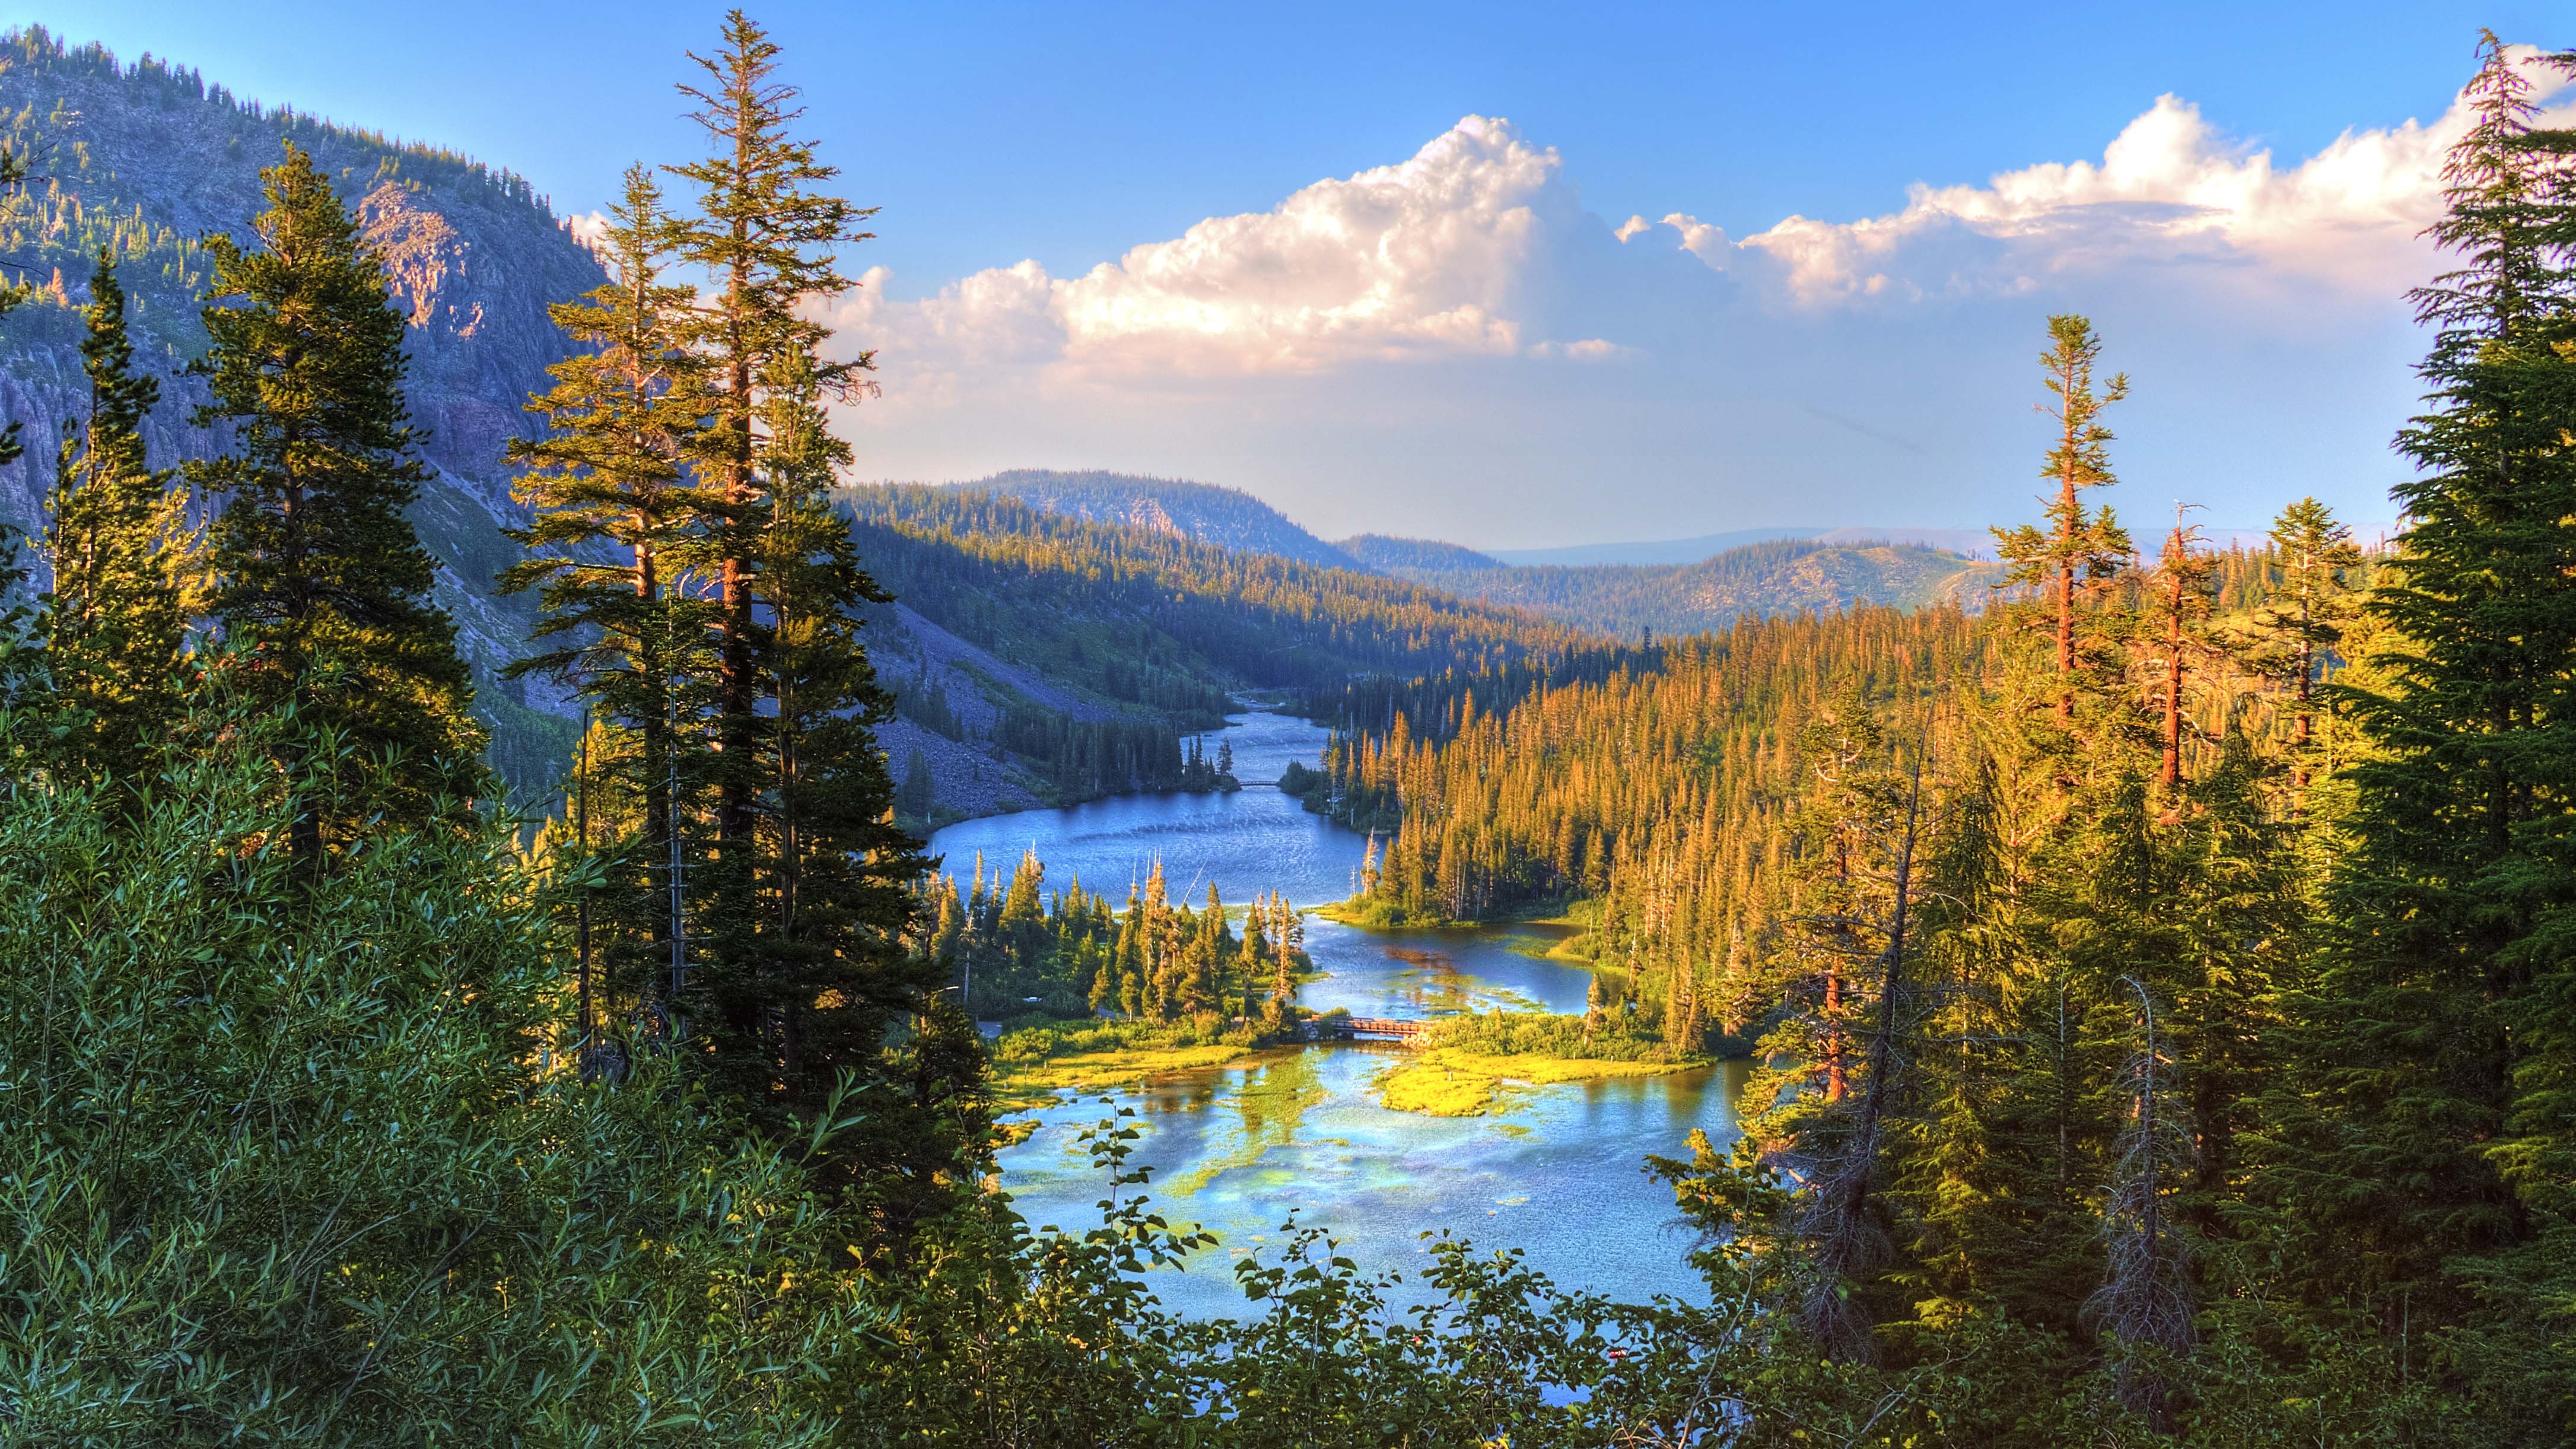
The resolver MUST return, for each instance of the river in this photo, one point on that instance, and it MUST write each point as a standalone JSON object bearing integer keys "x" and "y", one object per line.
{"x": 1556, "y": 1172}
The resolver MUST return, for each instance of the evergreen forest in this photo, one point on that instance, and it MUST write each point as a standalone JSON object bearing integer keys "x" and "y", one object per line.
{"x": 2157, "y": 964}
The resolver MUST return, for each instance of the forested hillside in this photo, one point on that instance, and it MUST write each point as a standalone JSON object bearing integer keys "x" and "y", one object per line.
{"x": 147, "y": 160}
{"x": 1757, "y": 580}
{"x": 992, "y": 567}
{"x": 1409, "y": 557}
{"x": 1226, "y": 517}
{"x": 1043, "y": 633}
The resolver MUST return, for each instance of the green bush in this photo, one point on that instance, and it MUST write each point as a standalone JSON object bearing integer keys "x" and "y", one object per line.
{"x": 285, "y": 1161}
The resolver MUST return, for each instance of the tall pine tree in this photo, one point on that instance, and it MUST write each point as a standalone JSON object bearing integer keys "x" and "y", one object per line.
{"x": 803, "y": 985}
{"x": 2294, "y": 631}
{"x": 616, "y": 529}
{"x": 766, "y": 240}
{"x": 117, "y": 543}
{"x": 2456, "y": 893}
{"x": 316, "y": 570}
{"x": 2081, "y": 547}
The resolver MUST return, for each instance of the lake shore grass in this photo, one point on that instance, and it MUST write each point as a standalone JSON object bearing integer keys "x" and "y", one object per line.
{"x": 1032, "y": 1064}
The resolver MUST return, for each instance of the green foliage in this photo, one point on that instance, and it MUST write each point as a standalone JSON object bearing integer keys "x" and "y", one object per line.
{"x": 1023, "y": 583}
{"x": 2118, "y": 1084}
{"x": 1013, "y": 947}
{"x": 2081, "y": 548}
{"x": 315, "y": 567}
{"x": 295, "y": 1162}
{"x": 118, "y": 547}
{"x": 2427, "y": 1127}
{"x": 1542, "y": 1034}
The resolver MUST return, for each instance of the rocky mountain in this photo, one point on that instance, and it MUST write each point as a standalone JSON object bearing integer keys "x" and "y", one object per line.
{"x": 1206, "y": 512}
{"x": 148, "y": 159}
{"x": 1023, "y": 657}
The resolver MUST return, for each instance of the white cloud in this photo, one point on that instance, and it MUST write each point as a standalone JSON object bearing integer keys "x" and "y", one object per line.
{"x": 588, "y": 228}
{"x": 1453, "y": 346}
{"x": 1427, "y": 258}
{"x": 1590, "y": 349}
{"x": 1477, "y": 247}
{"x": 2169, "y": 188}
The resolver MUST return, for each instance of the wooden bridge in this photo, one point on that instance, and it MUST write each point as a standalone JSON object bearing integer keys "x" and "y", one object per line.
{"x": 1383, "y": 1026}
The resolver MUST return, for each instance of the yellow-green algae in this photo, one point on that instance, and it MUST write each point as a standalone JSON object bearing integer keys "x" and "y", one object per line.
{"x": 1448, "y": 1082}
{"x": 1270, "y": 1103}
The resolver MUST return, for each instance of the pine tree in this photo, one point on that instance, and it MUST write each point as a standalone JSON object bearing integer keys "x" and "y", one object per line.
{"x": 315, "y": 568}
{"x": 766, "y": 240}
{"x": 918, "y": 795}
{"x": 613, "y": 517}
{"x": 117, "y": 544}
{"x": 2082, "y": 547}
{"x": 2456, "y": 894}
{"x": 2145, "y": 1302}
{"x": 805, "y": 982}
{"x": 2306, "y": 619}
{"x": 2180, "y": 594}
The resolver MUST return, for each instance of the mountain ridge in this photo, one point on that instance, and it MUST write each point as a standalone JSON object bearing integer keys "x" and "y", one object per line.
{"x": 146, "y": 159}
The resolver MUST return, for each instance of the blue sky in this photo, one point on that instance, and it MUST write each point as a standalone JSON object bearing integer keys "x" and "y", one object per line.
{"x": 1513, "y": 362}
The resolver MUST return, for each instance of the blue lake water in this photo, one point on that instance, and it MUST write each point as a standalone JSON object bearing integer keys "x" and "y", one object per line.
{"x": 1556, "y": 1172}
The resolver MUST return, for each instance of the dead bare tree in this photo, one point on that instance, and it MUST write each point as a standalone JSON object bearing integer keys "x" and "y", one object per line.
{"x": 1838, "y": 1214}
{"x": 2144, "y": 1306}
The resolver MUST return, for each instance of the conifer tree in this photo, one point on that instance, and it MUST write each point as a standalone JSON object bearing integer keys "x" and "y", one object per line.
{"x": 2145, "y": 1302}
{"x": 767, "y": 242}
{"x": 314, "y": 566}
{"x": 2307, "y": 618}
{"x": 805, "y": 982}
{"x": 2081, "y": 547}
{"x": 2456, "y": 893}
{"x": 614, "y": 512}
{"x": 2180, "y": 593}
{"x": 117, "y": 544}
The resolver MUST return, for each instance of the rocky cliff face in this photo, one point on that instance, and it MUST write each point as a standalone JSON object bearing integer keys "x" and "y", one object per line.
{"x": 148, "y": 159}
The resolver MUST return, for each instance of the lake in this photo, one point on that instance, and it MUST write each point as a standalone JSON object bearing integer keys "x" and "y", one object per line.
{"x": 1555, "y": 1172}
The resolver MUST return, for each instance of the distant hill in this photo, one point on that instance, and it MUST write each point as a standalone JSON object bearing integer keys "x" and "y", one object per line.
{"x": 1776, "y": 577}
{"x": 1226, "y": 517}
{"x": 1966, "y": 542}
{"x": 1386, "y": 555}
{"x": 1036, "y": 649}
{"x": 1650, "y": 551}
{"x": 1051, "y": 661}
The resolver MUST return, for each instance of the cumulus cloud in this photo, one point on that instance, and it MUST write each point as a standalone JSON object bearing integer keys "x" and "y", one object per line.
{"x": 1431, "y": 257}
{"x": 1454, "y": 344}
{"x": 2171, "y": 187}
{"x": 589, "y": 228}
{"x": 1478, "y": 247}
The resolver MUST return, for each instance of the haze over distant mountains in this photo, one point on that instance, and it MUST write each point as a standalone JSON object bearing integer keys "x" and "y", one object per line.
{"x": 1226, "y": 517}
{"x": 1677, "y": 586}
{"x": 1966, "y": 542}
